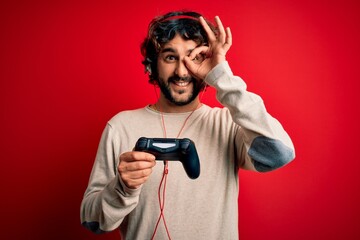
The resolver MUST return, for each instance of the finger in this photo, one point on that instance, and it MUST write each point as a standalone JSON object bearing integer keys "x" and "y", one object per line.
{"x": 196, "y": 57}
{"x": 210, "y": 33}
{"x": 201, "y": 50}
{"x": 137, "y": 156}
{"x": 143, "y": 174}
{"x": 222, "y": 34}
{"x": 135, "y": 183}
{"x": 228, "y": 41}
{"x": 140, "y": 174}
{"x": 190, "y": 65}
{"x": 135, "y": 166}
{"x": 132, "y": 161}
{"x": 143, "y": 156}
{"x": 197, "y": 70}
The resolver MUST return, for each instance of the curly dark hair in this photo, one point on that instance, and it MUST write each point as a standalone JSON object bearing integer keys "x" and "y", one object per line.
{"x": 163, "y": 29}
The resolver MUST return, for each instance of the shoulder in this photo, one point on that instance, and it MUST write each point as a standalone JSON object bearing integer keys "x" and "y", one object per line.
{"x": 128, "y": 116}
{"x": 216, "y": 115}
{"x": 216, "y": 111}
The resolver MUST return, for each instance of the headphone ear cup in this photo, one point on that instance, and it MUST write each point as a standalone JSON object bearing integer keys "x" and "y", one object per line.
{"x": 148, "y": 69}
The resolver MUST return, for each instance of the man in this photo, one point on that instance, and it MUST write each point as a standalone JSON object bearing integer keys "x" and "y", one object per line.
{"x": 128, "y": 189}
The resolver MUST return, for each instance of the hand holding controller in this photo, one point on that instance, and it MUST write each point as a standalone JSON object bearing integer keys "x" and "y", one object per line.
{"x": 182, "y": 150}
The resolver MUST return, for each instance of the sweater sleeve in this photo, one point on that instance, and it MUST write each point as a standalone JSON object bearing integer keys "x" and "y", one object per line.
{"x": 262, "y": 143}
{"x": 107, "y": 200}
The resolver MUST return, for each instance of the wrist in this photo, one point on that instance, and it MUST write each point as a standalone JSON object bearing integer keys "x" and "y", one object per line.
{"x": 217, "y": 71}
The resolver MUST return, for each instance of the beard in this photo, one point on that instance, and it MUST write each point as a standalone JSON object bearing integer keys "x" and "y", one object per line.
{"x": 166, "y": 90}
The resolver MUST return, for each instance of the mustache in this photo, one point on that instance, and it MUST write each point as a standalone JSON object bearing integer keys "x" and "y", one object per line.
{"x": 178, "y": 78}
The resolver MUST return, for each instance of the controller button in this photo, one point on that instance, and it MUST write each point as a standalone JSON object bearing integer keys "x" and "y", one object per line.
{"x": 142, "y": 144}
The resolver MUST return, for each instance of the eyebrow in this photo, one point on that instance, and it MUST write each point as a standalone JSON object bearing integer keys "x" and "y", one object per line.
{"x": 169, "y": 49}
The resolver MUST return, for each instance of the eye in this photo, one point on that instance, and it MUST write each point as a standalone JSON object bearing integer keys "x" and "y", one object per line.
{"x": 170, "y": 58}
{"x": 199, "y": 58}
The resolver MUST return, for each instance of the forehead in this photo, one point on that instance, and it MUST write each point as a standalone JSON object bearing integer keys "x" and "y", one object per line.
{"x": 179, "y": 45}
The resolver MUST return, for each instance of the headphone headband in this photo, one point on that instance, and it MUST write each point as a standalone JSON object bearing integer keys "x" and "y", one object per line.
{"x": 180, "y": 17}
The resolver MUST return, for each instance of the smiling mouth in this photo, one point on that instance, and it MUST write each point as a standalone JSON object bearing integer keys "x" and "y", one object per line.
{"x": 181, "y": 83}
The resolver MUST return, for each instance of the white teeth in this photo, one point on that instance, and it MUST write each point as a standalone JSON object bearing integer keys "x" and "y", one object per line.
{"x": 182, "y": 84}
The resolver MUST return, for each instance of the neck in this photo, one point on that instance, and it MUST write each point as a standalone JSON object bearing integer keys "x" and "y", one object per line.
{"x": 166, "y": 106}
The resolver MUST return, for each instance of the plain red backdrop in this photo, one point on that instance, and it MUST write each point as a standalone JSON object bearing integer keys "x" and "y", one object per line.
{"x": 66, "y": 67}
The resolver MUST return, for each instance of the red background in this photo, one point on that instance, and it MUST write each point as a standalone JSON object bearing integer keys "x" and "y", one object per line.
{"x": 66, "y": 67}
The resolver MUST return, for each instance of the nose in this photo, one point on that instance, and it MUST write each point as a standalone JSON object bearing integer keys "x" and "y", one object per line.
{"x": 181, "y": 69}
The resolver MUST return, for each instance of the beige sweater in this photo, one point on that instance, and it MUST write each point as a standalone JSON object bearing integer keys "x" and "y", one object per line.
{"x": 240, "y": 135}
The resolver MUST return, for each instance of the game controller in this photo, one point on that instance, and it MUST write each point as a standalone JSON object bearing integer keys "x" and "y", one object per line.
{"x": 170, "y": 149}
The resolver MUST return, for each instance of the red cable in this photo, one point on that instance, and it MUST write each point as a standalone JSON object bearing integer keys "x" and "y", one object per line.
{"x": 166, "y": 170}
{"x": 162, "y": 202}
